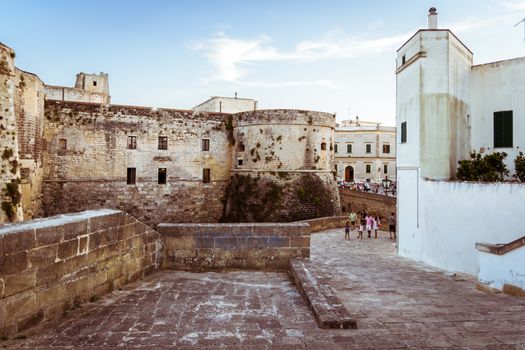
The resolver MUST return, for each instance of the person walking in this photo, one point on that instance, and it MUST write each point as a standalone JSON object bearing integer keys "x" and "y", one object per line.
{"x": 362, "y": 225}
{"x": 368, "y": 221}
{"x": 392, "y": 225}
{"x": 353, "y": 219}
{"x": 347, "y": 230}
{"x": 376, "y": 223}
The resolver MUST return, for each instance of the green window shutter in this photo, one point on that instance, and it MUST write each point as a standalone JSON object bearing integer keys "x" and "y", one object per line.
{"x": 403, "y": 132}
{"x": 503, "y": 129}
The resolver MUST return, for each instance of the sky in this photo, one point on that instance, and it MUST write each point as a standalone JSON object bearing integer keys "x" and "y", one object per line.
{"x": 331, "y": 56}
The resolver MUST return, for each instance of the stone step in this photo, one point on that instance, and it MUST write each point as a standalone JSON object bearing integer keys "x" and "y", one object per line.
{"x": 320, "y": 297}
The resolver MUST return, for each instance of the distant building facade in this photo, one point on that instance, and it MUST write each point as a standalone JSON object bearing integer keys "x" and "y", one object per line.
{"x": 221, "y": 104}
{"x": 364, "y": 151}
{"x": 447, "y": 107}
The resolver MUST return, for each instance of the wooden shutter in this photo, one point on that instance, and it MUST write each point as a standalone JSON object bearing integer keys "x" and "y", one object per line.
{"x": 503, "y": 129}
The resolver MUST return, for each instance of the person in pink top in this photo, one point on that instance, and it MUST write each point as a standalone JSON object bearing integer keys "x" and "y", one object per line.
{"x": 369, "y": 221}
{"x": 375, "y": 225}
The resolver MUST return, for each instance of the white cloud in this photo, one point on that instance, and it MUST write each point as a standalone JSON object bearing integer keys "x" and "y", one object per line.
{"x": 231, "y": 57}
{"x": 515, "y": 5}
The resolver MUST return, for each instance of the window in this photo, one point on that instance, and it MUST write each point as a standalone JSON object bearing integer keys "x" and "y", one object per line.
{"x": 349, "y": 148}
{"x": 368, "y": 168}
{"x": 205, "y": 144}
{"x": 386, "y": 148}
{"x": 385, "y": 168}
{"x": 94, "y": 83}
{"x": 335, "y": 147}
{"x": 241, "y": 147}
{"x": 403, "y": 60}
{"x": 503, "y": 129}
{"x": 163, "y": 142}
{"x": 368, "y": 148}
{"x": 323, "y": 146}
{"x": 162, "y": 176}
{"x": 403, "y": 132}
{"x": 206, "y": 176}
{"x": 240, "y": 162}
{"x": 132, "y": 142}
{"x": 132, "y": 176}
{"x": 62, "y": 144}
{"x": 24, "y": 173}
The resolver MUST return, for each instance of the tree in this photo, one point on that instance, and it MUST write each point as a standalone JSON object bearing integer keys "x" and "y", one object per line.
{"x": 488, "y": 168}
{"x": 519, "y": 166}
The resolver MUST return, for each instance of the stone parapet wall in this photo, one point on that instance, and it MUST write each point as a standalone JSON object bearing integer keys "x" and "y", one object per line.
{"x": 49, "y": 266}
{"x": 370, "y": 203}
{"x": 326, "y": 223}
{"x": 222, "y": 246}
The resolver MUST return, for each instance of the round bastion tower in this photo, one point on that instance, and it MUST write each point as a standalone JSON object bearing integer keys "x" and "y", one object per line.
{"x": 283, "y": 167}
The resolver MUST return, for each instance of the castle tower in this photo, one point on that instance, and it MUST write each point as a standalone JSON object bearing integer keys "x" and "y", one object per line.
{"x": 283, "y": 166}
{"x": 433, "y": 86}
{"x": 11, "y": 209}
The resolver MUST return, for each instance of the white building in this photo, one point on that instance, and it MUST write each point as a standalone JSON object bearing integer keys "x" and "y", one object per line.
{"x": 364, "y": 151}
{"x": 222, "y": 104}
{"x": 447, "y": 107}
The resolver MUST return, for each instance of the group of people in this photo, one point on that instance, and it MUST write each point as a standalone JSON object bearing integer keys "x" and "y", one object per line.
{"x": 369, "y": 222}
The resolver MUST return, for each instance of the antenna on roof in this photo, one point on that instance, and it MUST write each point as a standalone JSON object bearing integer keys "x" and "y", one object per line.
{"x": 522, "y": 21}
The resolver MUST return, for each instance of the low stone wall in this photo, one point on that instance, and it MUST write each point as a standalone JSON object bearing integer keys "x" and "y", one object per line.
{"x": 371, "y": 203}
{"x": 49, "y": 266}
{"x": 326, "y": 223}
{"x": 260, "y": 246}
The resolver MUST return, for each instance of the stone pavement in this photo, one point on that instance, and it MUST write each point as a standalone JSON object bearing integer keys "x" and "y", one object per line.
{"x": 399, "y": 304}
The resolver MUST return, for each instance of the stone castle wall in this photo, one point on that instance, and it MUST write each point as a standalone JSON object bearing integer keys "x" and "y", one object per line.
{"x": 11, "y": 208}
{"x": 68, "y": 156}
{"x": 91, "y": 172}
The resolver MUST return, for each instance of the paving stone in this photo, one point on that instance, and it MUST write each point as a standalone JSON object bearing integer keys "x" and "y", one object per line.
{"x": 398, "y": 304}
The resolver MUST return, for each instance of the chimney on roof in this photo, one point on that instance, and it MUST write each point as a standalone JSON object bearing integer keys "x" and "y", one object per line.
{"x": 432, "y": 18}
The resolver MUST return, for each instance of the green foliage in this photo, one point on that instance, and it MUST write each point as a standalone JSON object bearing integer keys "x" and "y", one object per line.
{"x": 313, "y": 199}
{"x": 519, "y": 166}
{"x": 94, "y": 298}
{"x": 488, "y": 168}
{"x": 11, "y": 191}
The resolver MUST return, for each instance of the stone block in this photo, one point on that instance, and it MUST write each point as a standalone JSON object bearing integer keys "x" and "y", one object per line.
{"x": 75, "y": 229}
{"x": 20, "y": 282}
{"x": 43, "y": 256}
{"x": 114, "y": 272}
{"x": 277, "y": 241}
{"x": 50, "y": 296}
{"x": 264, "y": 229}
{"x": 300, "y": 242}
{"x": 17, "y": 241}
{"x": 18, "y": 305}
{"x": 225, "y": 242}
{"x": 68, "y": 249}
{"x": 104, "y": 222}
{"x": 49, "y": 273}
{"x": 30, "y": 321}
{"x": 125, "y": 232}
{"x": 83, "y": 245}
{"x": 257, "y": 242}
{"x": 14, "y": 263}
{"x": 204, "y": 242}
{"x": 108, "y": 236}
{"x": 94, "y": 241}
{"x": 74, "y": 264}
{"x": 139, "y": 228}
{"x": 49, "y": 235}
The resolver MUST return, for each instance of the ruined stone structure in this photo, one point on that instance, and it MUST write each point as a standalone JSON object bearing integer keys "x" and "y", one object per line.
{"x": 67, "y": 149}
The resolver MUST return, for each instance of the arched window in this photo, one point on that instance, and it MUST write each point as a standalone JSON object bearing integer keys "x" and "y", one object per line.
{"x": 241, "y": 147}
{"x": 62, "y": 144}
{"x": 323, "y": 146}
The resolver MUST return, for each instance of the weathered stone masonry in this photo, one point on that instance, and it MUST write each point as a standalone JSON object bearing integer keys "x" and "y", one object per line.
{"x": 270, "y": 165}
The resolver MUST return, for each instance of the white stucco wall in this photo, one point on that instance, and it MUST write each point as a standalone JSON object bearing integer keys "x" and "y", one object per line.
{"x": 454, "y": 216}
{"x": 497, "y": 270}
{"x": 227, "y": 105}
{"x": 498, "y": 86}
